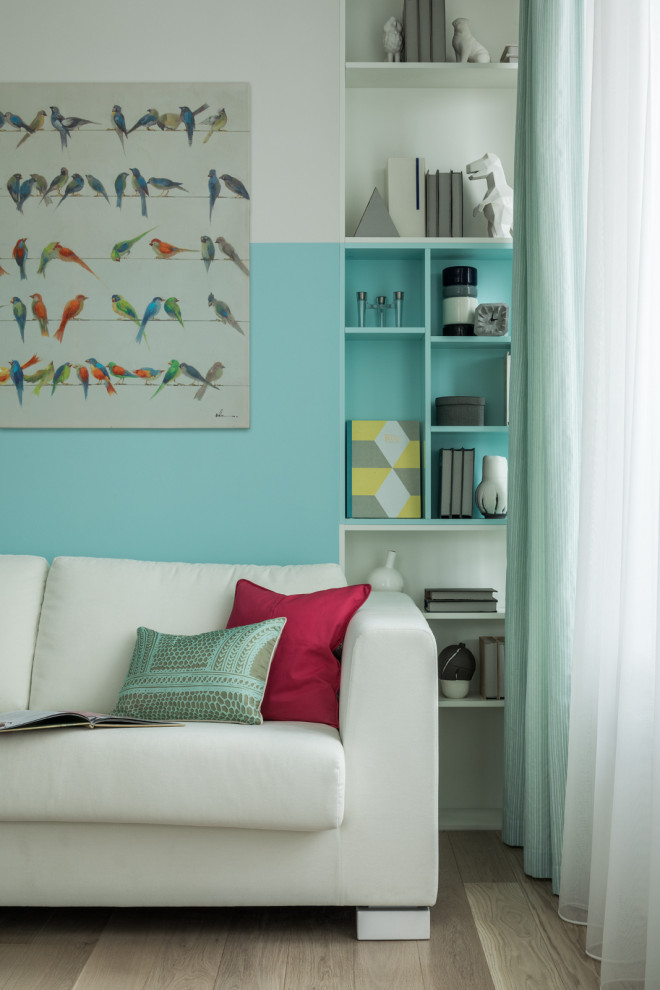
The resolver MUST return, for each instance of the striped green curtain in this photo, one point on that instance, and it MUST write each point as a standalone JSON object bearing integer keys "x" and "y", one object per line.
{"x": 545, "y": 427}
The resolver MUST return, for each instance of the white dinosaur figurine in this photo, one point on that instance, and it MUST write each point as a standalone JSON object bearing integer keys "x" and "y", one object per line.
{"x": 497, "y": 204}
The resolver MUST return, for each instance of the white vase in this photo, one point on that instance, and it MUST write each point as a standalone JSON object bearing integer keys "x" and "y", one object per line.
{"x": 491, "y": 494}
{"x": 455, "y": 689}
{"x": 386, "y": 578}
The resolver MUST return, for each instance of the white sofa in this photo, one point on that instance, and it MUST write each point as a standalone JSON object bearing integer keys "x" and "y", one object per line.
{"x": 213, "y": 813}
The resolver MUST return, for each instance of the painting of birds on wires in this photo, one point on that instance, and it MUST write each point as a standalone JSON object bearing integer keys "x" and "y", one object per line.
{"x": 145, "y": 190}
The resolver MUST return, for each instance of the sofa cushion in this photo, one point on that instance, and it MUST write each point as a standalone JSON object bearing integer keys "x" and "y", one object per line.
{"x": 279, "y": 775}
{"x": 22, "y": 582}
{"x": 216, "y": 676}
{"x": 304, "y": 678}
{"x": 92, "y": 607}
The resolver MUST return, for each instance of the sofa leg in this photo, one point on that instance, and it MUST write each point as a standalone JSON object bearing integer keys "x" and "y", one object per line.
{"x": 380, "y": 924}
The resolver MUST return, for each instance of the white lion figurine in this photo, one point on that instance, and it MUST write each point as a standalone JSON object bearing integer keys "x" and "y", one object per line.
{"x": 464, "y": 43}
{"x": 393, "y": 40}
{"x": 497, "y": 204}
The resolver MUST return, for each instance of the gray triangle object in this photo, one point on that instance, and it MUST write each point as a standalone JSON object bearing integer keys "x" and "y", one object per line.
{"x": 376, "y": 221}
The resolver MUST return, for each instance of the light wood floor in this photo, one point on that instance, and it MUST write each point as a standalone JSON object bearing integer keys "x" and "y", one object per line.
{"x": 493, "y": 928}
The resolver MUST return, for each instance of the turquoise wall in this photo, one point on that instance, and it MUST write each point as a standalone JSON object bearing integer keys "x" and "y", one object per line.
{"x": 263, "y": 495}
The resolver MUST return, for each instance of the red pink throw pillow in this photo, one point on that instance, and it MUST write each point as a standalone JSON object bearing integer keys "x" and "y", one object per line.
{"x": 303, "y": 681}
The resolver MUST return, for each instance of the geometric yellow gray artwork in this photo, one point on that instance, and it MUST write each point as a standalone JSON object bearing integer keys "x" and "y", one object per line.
{"x": 125, "y": 255}
{"x": 383, "y": 470}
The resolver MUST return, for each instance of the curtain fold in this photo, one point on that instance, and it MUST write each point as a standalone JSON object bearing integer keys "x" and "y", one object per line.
{"x": 544, "y": 438}
{"x": 611, "y": 851}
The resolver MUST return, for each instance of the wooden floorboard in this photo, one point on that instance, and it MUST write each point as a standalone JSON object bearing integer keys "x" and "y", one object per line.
{"x": 492, "y": 928}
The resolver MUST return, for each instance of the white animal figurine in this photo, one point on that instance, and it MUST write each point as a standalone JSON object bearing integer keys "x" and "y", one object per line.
{"x": 393, "y": 40}
{"x": 497, "y": 204}
{"x": 464, "y": 43}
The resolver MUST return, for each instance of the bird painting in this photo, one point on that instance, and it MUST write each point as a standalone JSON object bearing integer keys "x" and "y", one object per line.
{"x": 57, "y": 121}
{"x": 19, "y": 310}
{"x": 43, "y": 377}
{"x": 235, "y": 185}
{"x": 120, "y": 372}
{"x": 146, "y": 374}
{"x": 47, "y": 255}
{"x": 20, "y": 254}
{"x": 75, "y": 123}
{"x": 214, "y": 190}
{"x": 165, "y": 185}
{"x": 41, "y": 186}
{"x": 66, "y": 254}
{"x": 16, "y": 375}
{"x": 118, "y": 123}
{"x": 39, "y": 313}
{"x": 17, "y": 122}
{"x": 190, "y": 372}
{"x": 73, "y": 187}
{"x": 147, "y": 120}
{"x": 83, "y": 377}
{"x": 100, "y": 373}
{"x": 123, "y": 248}
{"x": 224, "y": 313}
{"x": 71, "y": 311}
{"x": 141, "y": 188}
{"x": 61, "y": 375}
{"x": 124, "y": 309}
{"x": 188, "y": 122}
{"x": 3, "y": 271}
{"x": 120, "y": 187}
{"x": 57, "y": 183}
{"x": 171, "y": 307}
{"x": 230, "y": 252}
{"x": 5, "y": 373}
{"x": 152, "y": 310}
{"x": 216, "y": 122}
{"x": 172, "y": 373}
{"x": 208, "y": 251}
{"x": 24, "y": 192}
{"x": 164, "y": 250}
{"x": 169, "y": 121}
{"x": 97, "y": 186}
{"x": 35, "y": 126}
{"x": 214, "y": 374}
{"x": 14, "y": 188}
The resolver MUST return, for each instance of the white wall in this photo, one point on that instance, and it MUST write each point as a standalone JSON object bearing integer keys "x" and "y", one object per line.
{"x": 288, "y": 51}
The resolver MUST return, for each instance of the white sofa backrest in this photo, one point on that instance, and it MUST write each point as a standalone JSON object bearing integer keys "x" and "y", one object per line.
{"x": 92, "y": 608}
{"x": 22, "y": 581}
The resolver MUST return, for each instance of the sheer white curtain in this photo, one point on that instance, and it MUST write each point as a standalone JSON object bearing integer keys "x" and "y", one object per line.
{"x": 611, "y": 850}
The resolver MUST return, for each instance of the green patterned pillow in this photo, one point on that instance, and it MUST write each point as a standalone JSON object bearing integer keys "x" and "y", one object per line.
{"x": 216, "y": 676}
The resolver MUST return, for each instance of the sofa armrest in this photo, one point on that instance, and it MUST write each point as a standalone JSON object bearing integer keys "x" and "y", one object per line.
{"x": 388, "y": 720}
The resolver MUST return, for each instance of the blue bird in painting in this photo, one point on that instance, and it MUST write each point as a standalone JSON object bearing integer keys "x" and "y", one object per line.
{"x": 14, "y": 188}
{"x": 18, "y": 122}
{"x": 61, "y": 375}
{"x": 214, "y": 190}
{"x": 24, "y": 192}
{"x": 208, "y": 251}
{"x": 223, "y": 312}
{"x": 141, "y": 188}
{"x": 235, "y": 185}
{"x": 74, "y": 185}
{"x": 165, "y": 185}
{"x": 188, "y": 122}
{"x": 97, "y": 186}
{"x": 16, "y": 375}
{"x": 147, "y": 120}
{"x": 152, "y": 310}
{"x": 19, "y": 254}
{"x": 193, "y": 373}
{"x": 119, "y": 123}
{"x": 57, "y": 120}
{"x": 19, "y": 310}
{"x": 120, "y": 187}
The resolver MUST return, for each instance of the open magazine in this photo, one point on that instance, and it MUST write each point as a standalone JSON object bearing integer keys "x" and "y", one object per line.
{"x": 15, "y": 721}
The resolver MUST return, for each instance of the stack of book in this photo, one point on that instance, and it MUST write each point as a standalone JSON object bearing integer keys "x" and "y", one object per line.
{"x": 460, "y": 600}
{"x": 444, "y": 204}
{"x": 456, "y": 483}
{"x": 491, "y": 661}
{"x": 424, "y": 31}
{"x": 510, "y": 54}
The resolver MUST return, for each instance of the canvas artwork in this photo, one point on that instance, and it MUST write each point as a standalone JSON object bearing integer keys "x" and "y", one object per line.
{"x": 124, "y": 255}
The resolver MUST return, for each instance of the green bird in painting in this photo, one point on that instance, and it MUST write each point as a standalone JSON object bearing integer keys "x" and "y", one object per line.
{"x": 171, "y": 307}
{"x": 43, "y": 377}
{"x": 124, "y": 309}
{"x": 172, "y": 373}
{"x": 216, "y": 122}
{"x": 120, "y": 372}
{"x": 61, "y": 375}
{"x": 122, "y": 248}
{"x": 47, "y": 255}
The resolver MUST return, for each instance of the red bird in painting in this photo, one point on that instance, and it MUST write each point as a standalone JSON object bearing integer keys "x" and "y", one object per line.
{"x": 164, "y": 250}
{"x": 66, "y": 254}
{"x": 72, "y": 309}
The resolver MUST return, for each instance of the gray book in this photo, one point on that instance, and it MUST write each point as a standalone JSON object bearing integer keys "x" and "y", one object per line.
{"x": 456, "y": 204}
{"x": 460, "y": 606}
{"x": 488, "y": 665}
{"x": 438, "y": 37}
{"x": 444, "y": 204}
{"x": 424, "y": 30}
{"x": 445, "y": 483}
{"x": 432, "y": 204}
{"x": 468, "y": 483}
{"x": 411, "y": 31}
{"x": 456, "y": 483}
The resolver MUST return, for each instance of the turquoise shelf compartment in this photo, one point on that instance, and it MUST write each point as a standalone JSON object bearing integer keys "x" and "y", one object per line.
{"x": 494, "y": 273}
{"x": 382, "y": 272}
{"x": 484, "y": 441}
{"x": 476, "y": 369}
{"x": 385, "y": 381}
